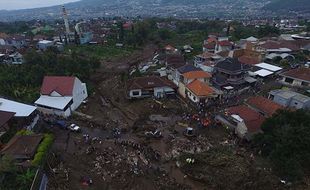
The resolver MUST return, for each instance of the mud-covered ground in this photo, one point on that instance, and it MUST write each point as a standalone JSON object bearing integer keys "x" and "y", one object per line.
{"x": 115, "y": 153}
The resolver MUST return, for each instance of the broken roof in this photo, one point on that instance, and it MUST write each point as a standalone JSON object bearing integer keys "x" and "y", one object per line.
{"x": 200, "y": 89}
{"x": 252, "y": 119}
{"x": 149, "y": 82}
{"x": 264, "y": 105}
{"x": 63, "y": 85}
{"x": 300, "y": 73}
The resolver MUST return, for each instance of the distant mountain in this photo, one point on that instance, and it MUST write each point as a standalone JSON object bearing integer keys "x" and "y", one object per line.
{"x": 231, "y": 9}
{"x": 288, "y": 5}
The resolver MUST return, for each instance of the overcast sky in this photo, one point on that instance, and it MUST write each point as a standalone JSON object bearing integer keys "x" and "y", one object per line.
{"x": 24, "y": 4}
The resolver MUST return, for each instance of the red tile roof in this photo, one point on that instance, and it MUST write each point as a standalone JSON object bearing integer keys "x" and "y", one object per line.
{"x": 252, "y": 119}
{"x": 225, "y": 43}
{"x": 196, "y": 75}
{"x": 211, "y": 39}
{"x": 199, "y": 88}
{"x": 264, "y": 105}
{"x": 209, "y": 46}
{"x": 248, "y": 60}
{"x": 300, "y": 73}
{"x": 61, "y": 84}
{"x": 5, "y": 117}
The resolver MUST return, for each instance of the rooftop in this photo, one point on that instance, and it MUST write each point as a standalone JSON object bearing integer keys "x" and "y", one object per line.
{"x": 22, "y": 147}
{"x": 196, "y": 75}
{"x": 200, "y": 89}
{"x": 300, "y": 73}
{"x": 188, "y": 68}
{"x": 231, "y": 64}
{"x": 20, "y": 109}
{"x": 264, "y": 105}
{"x": 60, "y": 84}
{"x": 252, "y": 119}
{"x": 269, "y": 67}
{"x": 287, "y": 94}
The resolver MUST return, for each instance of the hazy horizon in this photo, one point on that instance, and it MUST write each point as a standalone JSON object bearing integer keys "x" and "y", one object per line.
{"x": 26, "y": 4}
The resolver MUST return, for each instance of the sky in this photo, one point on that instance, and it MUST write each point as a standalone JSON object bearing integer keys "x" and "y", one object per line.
{"x": 25, "y": 4}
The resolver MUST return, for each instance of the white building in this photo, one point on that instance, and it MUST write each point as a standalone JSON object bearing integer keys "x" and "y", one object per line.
{"x": 61, "y": 95}
{"x": 26, "y": 114}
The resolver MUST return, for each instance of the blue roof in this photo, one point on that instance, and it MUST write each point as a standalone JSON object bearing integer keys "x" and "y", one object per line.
{"x": 188, "y": 68}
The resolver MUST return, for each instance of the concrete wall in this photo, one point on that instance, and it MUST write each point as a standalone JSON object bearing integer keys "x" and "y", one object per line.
{"x": 192, "y": 97}
{"x": 79, "y": 94}
{"x": 281, "y": 101}
{"x": 182, "y": 90}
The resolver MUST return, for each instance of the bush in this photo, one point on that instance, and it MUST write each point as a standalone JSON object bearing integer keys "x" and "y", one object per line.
{"x": 24, "y": 132}
{"x": 42, "y": 149}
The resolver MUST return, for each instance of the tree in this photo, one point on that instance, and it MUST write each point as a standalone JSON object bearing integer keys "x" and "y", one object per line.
{"x": 286, "y": 143}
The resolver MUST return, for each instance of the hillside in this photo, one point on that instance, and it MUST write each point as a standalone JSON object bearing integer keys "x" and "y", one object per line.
{"x": 231, "y": 9}
{"x": 291, "y": 5}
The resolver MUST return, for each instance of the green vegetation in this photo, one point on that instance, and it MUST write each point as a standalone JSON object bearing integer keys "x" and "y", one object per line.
{"x": 99, "y": 51}
{"x": 24, "y": 132}
{"x": 22, "y": 82}
{"x": 42, "y": 149}
{"x": 14, "y": 27}
{"x": 11, "y": 178}
{"x": 242, "y": 32}
{"x": 286, "y": 143}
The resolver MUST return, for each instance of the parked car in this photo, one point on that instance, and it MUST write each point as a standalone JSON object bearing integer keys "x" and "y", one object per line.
{"x": 73, "y": 127}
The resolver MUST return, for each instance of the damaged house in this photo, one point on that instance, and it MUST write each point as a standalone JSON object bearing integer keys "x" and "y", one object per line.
{"x": 151, "y": 86}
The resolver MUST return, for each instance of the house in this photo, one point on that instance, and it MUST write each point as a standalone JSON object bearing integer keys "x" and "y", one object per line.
{"x": 17, "y": 41}
{"x": 245, "y": 121}
{"x": 290, "y": 99}
{"x": 174, "y": 62}
{"x": 150, "y": 86}
{"x": 224, "y": 45}
{"x": 3, "y": 36}
{"x": 262, "y": 105}
{"x": 16, "y": 59}
{"x": 169, "y": 49}
{"x": 209, "y": 47}
{"x": 209, "y": 44}
{"x": 230, "y": 72}
{"x": 189, "y": 77}
{"x": 206, "y": 61}
{"x": 5, "y": 118}
{"x": 61, "y": 95}
{"x": 200, "y": 92}
{"x": 264, "y": 70}
{"x": 44, "y": 44}
{"x": 25, "y": 115}
{"x": 299, "y": 77}
{"x": 22, "y": 148}
{"x": 177, "y": 74}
